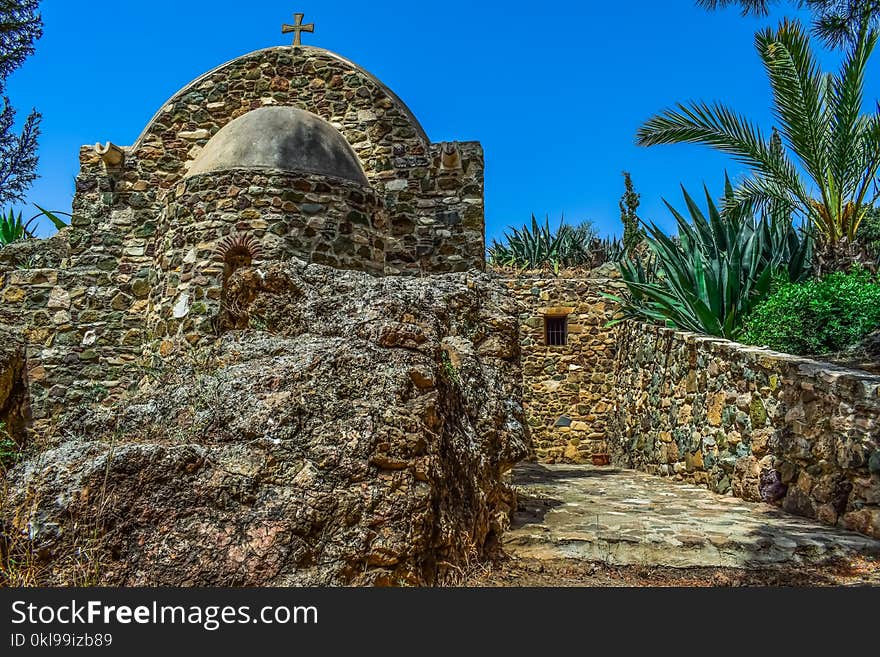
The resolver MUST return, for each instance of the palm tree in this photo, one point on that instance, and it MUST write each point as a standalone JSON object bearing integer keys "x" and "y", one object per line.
{"x": 821, "y": 163}
{"x": 837, "y": 22}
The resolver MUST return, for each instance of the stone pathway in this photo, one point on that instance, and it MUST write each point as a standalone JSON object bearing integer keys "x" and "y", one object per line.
{"x": 631, "y": 518}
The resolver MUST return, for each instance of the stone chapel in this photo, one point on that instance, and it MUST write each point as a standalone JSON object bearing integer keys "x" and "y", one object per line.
{"x": 285, "y": 152}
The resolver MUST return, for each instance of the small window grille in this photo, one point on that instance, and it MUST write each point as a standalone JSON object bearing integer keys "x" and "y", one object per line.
{"x": 556, "y": 331}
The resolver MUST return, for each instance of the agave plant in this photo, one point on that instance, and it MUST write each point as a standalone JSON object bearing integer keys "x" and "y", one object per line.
{"x": 53, "y": 217}
{"x": 14, "y": 228}
{"x": 822, "y": 133}
{"x": 608, "y": 249}
{"x": 716, "y": 270}
{"x": 536, "y": 246}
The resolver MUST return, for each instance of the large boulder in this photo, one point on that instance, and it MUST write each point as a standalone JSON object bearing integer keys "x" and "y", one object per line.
{"x": 345, "y": 430}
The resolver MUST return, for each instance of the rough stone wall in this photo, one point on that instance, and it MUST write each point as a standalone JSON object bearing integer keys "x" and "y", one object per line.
{"x": 434, "y": 203}
{"x": 81, "y": 300}
{"x": 568, "y": 389}
{"x": 13, "y": 386}
{"x": 330, "y": 222}
{"x": 758, "y": 424}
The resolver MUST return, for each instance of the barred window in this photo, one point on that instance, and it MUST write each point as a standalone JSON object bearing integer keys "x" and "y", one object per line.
{"x": 556, "y": 330}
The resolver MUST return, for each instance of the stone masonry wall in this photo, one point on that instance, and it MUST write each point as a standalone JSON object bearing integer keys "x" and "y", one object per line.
{"x": 434, "y": 203}
{"x": 568, "y": 389}
{"x": 81, "y": 300}
{"x": 761, "y": 425}
{"x": 325, "y": 221}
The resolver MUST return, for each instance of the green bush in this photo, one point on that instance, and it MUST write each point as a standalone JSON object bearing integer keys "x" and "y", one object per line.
{"x": 869, "y": 232}
{"x": 819, "y": 316}
{"x": 9, "y": 450}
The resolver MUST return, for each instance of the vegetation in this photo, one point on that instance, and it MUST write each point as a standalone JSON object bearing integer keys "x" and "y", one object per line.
{"x": 819, "y": 316}
{"x": 710, "y": 277}
{"x": 837, "y": 22}
{"x": 822, "y": 133}
{"x": 20, "y": 27}
{"x": 9, "y": 450}
{"x": 536, "y": 246}
{"x": 869, "y": 234}
{"x": 608, "y": 249}
{"x": 23, "y": 562}
{"x": 633, "y": 235}
{"x": 14, "y": 228}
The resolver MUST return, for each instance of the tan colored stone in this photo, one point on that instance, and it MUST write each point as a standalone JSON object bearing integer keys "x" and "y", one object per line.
{"x": 34, "y": 277}
{"x": 827, "y": 514}
{"x": 193, "y": 135}
{"x": 61, "y": 317}
{"x": 59, "y": 299}
{"x": 760, "y": 441}
{"x": 422, "y": 378}
{"x": 37, "y": 374}
{"x": 716, "y": 407}
{"x": 866, "y": 521}
{"x": 685, "y": 414}
{"x": 804, "y": 482}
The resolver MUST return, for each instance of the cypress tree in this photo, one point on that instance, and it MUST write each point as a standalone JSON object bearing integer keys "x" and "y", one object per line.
{"x": 629, "y": 207}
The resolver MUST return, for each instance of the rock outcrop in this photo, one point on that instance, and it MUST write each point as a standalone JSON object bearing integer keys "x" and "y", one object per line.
{"x": 12, "y": 386}
{"x": 346, "y": 430}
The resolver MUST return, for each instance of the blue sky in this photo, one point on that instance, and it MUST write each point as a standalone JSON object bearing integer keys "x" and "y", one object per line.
{"x": 554, "y": 91}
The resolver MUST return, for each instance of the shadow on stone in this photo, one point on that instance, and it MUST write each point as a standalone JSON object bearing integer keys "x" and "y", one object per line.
{"x": 531, "y": 510}
{"x": 534, "y": 473}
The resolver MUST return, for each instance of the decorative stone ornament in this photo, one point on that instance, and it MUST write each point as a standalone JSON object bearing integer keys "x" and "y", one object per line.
{"x": 111, "y": 155}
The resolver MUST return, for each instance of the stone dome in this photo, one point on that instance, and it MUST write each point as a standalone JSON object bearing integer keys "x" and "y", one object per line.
{"x": 284, "y": 139}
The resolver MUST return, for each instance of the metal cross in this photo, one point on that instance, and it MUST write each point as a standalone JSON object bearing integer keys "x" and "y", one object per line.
{"x": 297, "y": 28}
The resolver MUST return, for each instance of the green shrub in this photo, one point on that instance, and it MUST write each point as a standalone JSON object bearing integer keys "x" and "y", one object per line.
{"x": 819, "y": 316}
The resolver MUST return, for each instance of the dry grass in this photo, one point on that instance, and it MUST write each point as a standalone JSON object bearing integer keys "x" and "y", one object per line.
{"x": 27, "y": 560}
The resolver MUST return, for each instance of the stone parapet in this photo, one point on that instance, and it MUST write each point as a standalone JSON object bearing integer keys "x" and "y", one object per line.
{"x": 760, "y": 425}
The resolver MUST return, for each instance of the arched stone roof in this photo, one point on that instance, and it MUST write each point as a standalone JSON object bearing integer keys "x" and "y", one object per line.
{"x": 218, "y": 74}
{"x": 280, "y": 138}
